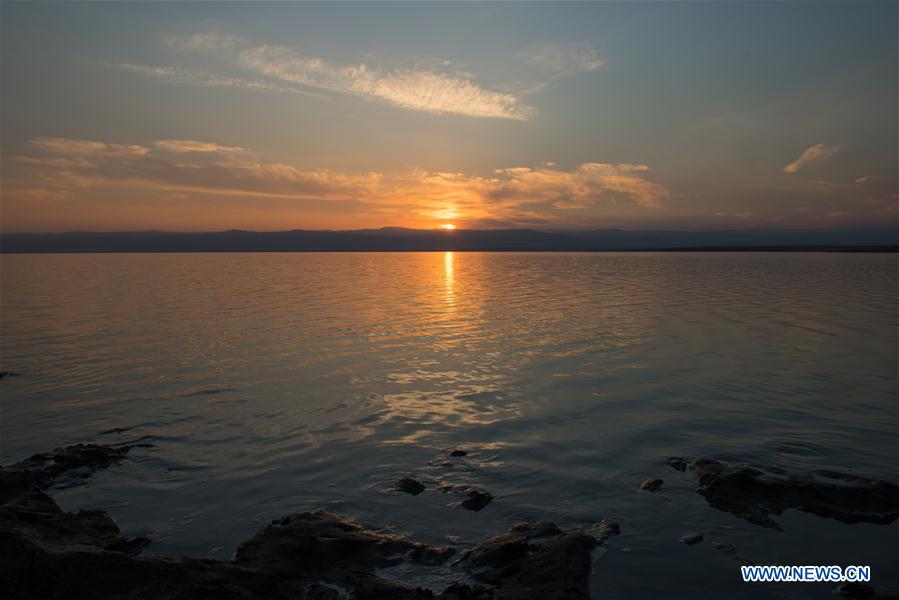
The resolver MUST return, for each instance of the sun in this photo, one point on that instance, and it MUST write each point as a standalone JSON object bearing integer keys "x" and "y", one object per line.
{"x": 448, "y": 226}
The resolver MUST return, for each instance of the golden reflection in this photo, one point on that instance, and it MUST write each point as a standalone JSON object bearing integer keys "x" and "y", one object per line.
{"x": 448, "y": 278}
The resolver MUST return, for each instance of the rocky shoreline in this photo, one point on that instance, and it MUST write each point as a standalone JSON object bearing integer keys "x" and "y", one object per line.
{"x": 46, "y": 552}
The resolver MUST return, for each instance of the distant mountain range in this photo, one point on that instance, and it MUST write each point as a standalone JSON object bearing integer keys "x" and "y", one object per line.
{"x": 392, "y": 239}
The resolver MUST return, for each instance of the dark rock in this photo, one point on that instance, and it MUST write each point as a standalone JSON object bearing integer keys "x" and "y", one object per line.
{"x": 651, "y": 485}
{"x": 754, "y": 492}
{"x": 458, "y": 452}
{"x": 410, "y": 485}
{"x": 476, "y": 499}
{"x": 691, "y": 538}
{"x": 607, "y": 528}
{"x": 473, "y": 498}
{"x": 79, "y": 460}
{"x": 322, "y": 541}
{"x": 5, "y": 374}
{"x": 534, "y": 560}
{"x": 677, "y": 462}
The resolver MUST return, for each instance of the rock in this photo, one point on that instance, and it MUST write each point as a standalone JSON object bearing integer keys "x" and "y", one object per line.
{"x": 48, "y": 553}
{"x": 79, "y": 460}
{"x": 476, "y": 499}
{"x": 473, "y": 498}
{"x": 321, "y": 541}
{"x": 651, "y": 485}
{"x": 677, "y": 462}
{"x": 691, "y": 538}
{"x": 607, "y": 528}
{"x": 754, "y": 492}
{"x": 458, "y": 452}
{"x": 534, "y": 560}
{"x": 410, "y": 485}
{"x": 5, "y": 374}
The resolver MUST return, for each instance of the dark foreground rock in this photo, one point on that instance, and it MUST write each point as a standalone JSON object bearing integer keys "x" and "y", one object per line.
{"x": 755, "y": 492}
{"x": 534, "y": 560}
{"x": 48, "y": 553}
{"x": 410, "y": 485}
{"x": 316, "y": 543}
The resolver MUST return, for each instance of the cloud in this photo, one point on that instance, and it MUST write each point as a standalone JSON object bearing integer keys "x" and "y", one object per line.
{"x": 206, "y": 41}
{"x": 587, "y": 186}
{"x": 429, "y": 87}
{"x": 81, "y": 148}
{"x": 183, "y": 146}
{"x": 567, "y": 58}
{"x": 174, "y": 168}
{"x": 416, "y": 89}
{"x": 203, "y": 79}
{"x": 865, "y": 179}
{"x": 186, "y": 165}
{"x": 816, "y": 152}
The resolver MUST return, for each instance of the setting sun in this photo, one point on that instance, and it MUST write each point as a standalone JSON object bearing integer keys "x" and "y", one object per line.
{"x": 448, "y": 226}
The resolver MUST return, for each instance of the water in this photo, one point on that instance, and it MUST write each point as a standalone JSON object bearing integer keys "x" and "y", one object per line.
{"x": 276, "y": 383}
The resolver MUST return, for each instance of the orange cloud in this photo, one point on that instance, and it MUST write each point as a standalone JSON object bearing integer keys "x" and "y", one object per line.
{"x": 816, "y": 152}
{"x": 513, "y": 196}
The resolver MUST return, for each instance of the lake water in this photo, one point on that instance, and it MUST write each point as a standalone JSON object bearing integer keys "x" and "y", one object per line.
{"x": 277, "y": 383}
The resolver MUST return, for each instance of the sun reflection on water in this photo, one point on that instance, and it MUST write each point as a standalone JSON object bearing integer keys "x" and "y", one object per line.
{"x": 449, "y": 279}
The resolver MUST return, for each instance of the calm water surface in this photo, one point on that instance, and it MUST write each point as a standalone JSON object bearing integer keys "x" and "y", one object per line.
{"x": 276, "y": 383}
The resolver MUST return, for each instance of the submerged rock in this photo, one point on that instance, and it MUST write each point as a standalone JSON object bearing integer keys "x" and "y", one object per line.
{"x": 410, "y": 485}
{"x": 607, "y": 528}
{"x": 458, "y": 452}
{"x": 473, "y": 498}
{"x": 678, "y": 463}
{"x": 691, "y": 538}
{"x": 534, "y": 560}
{"x": 80, "y": 460}
{"x": 754, "y": 492}
{"x": 651, "y": 485}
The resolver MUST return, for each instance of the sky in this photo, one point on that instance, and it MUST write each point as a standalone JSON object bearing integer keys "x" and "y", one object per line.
{"x": 275, "y": 116}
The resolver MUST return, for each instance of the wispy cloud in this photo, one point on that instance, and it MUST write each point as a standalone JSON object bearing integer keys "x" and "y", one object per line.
{"x": 566, "y": 58}
{"x": 518, "y": 195}
{"x": 816, "y": 152}
{"x": 415, "y": 89}
{"x": 430, "y": 88}
{"x": 183, "y": 146}
{"x": 203, "y": 79}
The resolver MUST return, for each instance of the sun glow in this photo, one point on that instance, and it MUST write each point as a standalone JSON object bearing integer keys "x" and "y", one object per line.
{"x": 448, "y": 226}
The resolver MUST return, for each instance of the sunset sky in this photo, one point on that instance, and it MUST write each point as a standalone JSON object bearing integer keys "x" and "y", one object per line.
{"x": 201, "y": 116}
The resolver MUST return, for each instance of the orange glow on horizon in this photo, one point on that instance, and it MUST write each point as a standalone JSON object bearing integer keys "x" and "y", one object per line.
{"x": 448, "y": 226}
